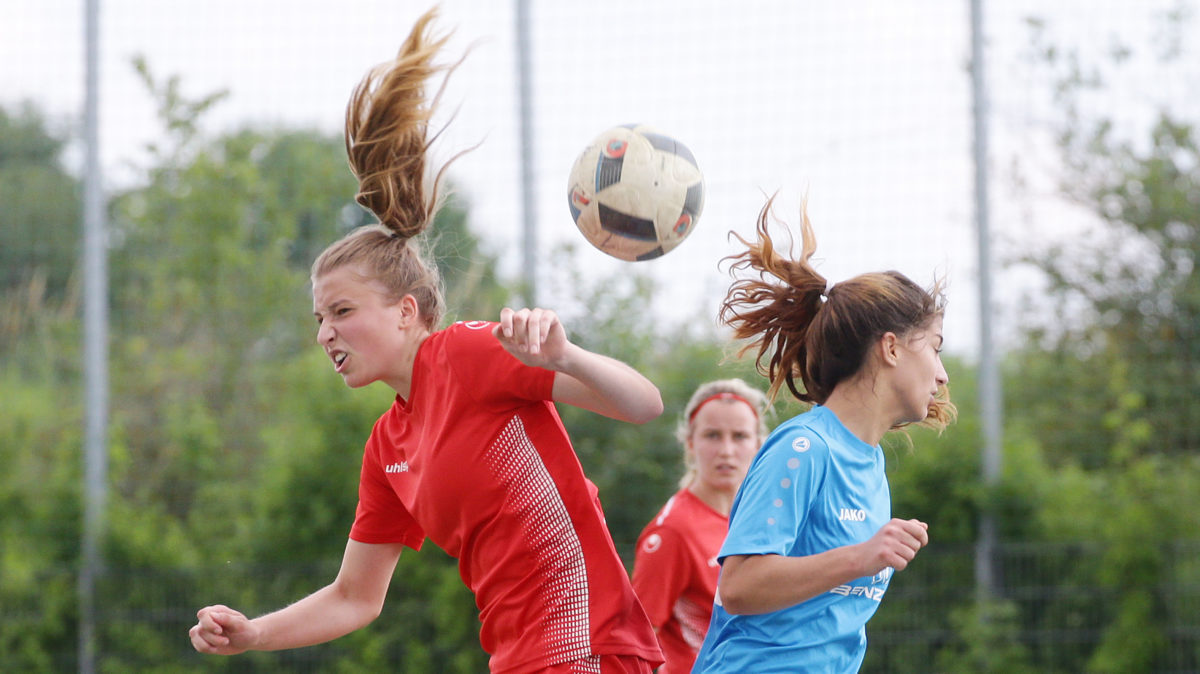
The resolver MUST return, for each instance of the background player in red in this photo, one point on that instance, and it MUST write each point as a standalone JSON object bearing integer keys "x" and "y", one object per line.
{"x": 675, "y": 571}
{"x": 472, "y": 454}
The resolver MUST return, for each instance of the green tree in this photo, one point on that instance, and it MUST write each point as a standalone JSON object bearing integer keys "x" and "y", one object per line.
{"x": 40, "y": 428}
{"x": 1109, "y": 392}
{"x": 1130, "y": 290}
{"x": 39, "y": 223}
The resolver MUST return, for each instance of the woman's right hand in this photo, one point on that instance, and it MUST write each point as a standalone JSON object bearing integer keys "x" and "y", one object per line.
{"x": 221, "y": 630}
{"x": 895, "y": 545}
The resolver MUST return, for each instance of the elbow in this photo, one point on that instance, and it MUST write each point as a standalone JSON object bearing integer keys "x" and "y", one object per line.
{"x": 734, "y": 598}
{"x": 650, "y": 409}
{"x": 370, "y": 609}
{"x": 734, "y": 603}
{"x": 741, "y": 594}
{"x": 365, "y": 613}
{"x": 649, "y": 413}
{"x": 374, "y": 612}
{"x": 359, "y": 610}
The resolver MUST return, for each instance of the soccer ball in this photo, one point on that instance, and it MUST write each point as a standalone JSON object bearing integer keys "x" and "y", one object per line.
{"x": 635, "y": 193}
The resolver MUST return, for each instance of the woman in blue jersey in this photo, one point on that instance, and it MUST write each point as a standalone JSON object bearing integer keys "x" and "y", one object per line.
{"x": 812, "y": 543}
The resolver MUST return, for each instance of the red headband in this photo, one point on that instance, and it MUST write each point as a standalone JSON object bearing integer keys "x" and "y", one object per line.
{"x": 724, "y": 395}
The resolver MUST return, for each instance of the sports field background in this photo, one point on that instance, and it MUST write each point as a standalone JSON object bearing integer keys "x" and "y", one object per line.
{"x": 865, "y": 107}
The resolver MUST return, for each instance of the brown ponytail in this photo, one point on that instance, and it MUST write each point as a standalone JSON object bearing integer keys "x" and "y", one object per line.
{"x": 387, "y": 141}
{"x": 776, "y": 308}
{"x": 387, "y": 129}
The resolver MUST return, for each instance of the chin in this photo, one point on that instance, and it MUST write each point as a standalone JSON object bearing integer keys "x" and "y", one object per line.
{"x": 352, "y": 382}
{"x": 728, "y": 484}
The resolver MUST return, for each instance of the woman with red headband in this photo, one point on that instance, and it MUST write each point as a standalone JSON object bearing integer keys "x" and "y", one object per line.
{"x": 675, "y": 571}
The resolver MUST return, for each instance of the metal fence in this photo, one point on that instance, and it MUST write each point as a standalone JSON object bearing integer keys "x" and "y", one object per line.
{"x": 1052, "y": 615}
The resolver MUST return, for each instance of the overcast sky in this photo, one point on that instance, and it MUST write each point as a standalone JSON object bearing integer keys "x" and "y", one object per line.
{"x": 865, "y": 106}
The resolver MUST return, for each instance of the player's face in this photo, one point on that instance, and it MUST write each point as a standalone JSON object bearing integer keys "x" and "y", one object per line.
{"x": 359, "y": 328}
{"x": 723, "y": 441}
{"x": 922, "y": 372}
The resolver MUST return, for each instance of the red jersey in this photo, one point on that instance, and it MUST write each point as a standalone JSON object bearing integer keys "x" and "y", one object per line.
{"x": 675, "y": 575}
{"x": 478, "y": 460}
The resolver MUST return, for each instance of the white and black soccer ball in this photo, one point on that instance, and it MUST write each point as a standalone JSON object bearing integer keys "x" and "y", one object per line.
{"x": 635, "y": 193}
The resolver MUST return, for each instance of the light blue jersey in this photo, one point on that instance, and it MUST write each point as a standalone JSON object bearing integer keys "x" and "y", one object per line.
{"x": 813, "y": 487}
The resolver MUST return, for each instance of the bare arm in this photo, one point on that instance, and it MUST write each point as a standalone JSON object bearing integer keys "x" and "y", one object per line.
{"x": 753, "y": 584}
{"x": 583, "y": 379}
{"x": 351, "y": 601}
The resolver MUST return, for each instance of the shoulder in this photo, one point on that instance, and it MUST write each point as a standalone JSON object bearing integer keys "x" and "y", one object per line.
{"x": 481, "y": 364}
{"x": 680, "y": 510}
{"x": 665, "y": 532}
{"x": 669, "y": 517}
{"x": 802, "y": 439}
{"x": 685, "y": 517}
{"x": 466, "y": 333}
{"x": 469, "y": 341}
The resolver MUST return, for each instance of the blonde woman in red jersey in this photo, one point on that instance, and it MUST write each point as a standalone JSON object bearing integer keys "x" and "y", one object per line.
{"x": 472, "y": 454}
{"x": 675, "y": 570}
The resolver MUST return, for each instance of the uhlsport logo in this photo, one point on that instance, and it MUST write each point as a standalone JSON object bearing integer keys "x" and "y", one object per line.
{"x": 401, "y": 467}
{"x": 652, "y": 543}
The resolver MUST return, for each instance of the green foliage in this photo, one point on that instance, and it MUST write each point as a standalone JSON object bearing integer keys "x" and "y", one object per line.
{"x": 40, "y": 521}
{"x": 308, "y": 474}
{"x": 39, "y": 230}
{"x": 1110, "y": 392}
{"x": 986, "y": 641}
{"x": 1129, "y": 291}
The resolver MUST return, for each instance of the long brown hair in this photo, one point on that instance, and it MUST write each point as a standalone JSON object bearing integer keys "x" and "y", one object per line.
{"x": 387, "y": 141}
{"x": 821, "y": 337}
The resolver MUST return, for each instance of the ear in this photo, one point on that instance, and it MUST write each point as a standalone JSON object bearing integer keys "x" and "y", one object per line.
{"x": 889, "y": 349}
{"x": 689, "y": 455}
{"x": 410, "y": 314}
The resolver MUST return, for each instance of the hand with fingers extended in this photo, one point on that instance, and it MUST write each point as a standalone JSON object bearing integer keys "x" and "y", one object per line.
{"x": 221, "y": 630}
{"x": 895, "y": 545}
{"x": 535, "y": 336}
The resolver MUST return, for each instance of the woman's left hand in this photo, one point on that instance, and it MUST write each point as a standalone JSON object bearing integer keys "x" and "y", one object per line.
{"x": 535, "y": 336}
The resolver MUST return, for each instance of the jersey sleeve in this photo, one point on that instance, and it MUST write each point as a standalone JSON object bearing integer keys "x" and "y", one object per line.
{"x": 381, "y": 517}
{"x": 491, "y": 373}
{"x": 777, "y": 495}
{"x": 660, "y": 571}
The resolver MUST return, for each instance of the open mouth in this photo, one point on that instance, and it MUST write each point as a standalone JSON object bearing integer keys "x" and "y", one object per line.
{"x": 339, "y": 359}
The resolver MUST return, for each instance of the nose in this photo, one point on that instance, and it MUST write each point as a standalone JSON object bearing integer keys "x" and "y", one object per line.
{"x": 324, "y": 333}
{"x": 942, "y": 377}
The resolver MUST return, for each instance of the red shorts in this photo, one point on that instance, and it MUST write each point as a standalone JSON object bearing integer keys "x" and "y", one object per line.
{"x": 602, "y": 664}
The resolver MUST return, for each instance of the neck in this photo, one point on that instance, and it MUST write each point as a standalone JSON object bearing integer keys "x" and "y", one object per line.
{"x": 858, "y": 405}
{"x": 401, "y": 379}
{"x": 717, "y": 499}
